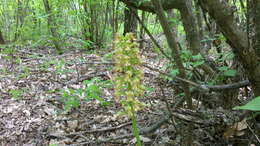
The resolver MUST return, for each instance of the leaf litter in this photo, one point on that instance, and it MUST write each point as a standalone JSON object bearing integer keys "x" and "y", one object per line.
{"x": 31, "y": 107}
{"x": 33, "y": 113}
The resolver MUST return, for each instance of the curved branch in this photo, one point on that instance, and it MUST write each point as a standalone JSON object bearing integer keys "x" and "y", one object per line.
{"x": 228, "y": 86}
{"x": 148, "y": 6}
{"x": 204, "y": 88}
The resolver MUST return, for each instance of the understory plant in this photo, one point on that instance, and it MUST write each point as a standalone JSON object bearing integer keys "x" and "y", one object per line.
{"x": 91, "y": 90}
{"x": 128, "y": 78}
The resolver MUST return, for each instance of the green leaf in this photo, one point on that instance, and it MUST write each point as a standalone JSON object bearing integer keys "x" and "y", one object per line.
{"x": 230, "y": 73}
{"x": 208, "y": 39}
{"x": 198, "y": 63}
{"x": 253, "y": 105}
{"x": 222, "y": 38}
{"x": 223, "y": 68}
{"x": 149, "y": 89}
{"x": 16, "y": 93}
{"x": 174, "y": 72}
{"x": 80, "y": 91}
{"x": 197, "y": 57}
{"x": 230, "y": 56}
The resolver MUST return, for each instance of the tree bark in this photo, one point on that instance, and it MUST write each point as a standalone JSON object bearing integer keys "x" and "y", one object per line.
{"x": 52, "y": 26}
{"x": 2, "y": 41}
{"x": 130, "y": 24}
{"x": 148, "y": 6}
{"x": 174, "y": 47}
{"x": 236, "y": 38}
{"x": 142, "y": 32}
{"x": 192, "y": 32}
{"x": 256, "y": 25}
{"x": 177, "y": 58}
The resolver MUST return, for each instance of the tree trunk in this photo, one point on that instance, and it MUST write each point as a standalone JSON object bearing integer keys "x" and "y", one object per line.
{"x": 177, "y": 58}
{"x": 192, "y": 32}
{"x": 236, "y": 38}
{"x": 256, "y": 25}
{"x": 141, "y": 36}
{"x": 52, "y": 27}
{"x": 173, "y": 45}
{"x": 2, "y": 41}
{"x": 130, "y": 24}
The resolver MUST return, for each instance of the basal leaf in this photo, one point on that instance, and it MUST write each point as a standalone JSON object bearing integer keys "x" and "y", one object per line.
{"x": 230, "y": 73}
{"x": 253, "y": 105}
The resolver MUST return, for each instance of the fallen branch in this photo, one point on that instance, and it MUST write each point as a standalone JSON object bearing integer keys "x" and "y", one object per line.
{"x": 204, "y": 118}
{"x": 204, "y": 88}
{"x": 144, "y": 131}
{"x": 100, "y": 130}
{"x": 228, "y": 86}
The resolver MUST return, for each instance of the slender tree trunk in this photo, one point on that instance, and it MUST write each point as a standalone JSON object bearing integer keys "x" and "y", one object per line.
{"x": 52, "y": 27}
{"x": 18, "y": 20}
{"x": 2, "y": 41}
{"x": 105, "y": 24}
{"x": 173, "y": 45}
{"x": 21, "y": 14}
{"x": 199, "y": 18}
{"x": 86, "y": 24}
{"x": 176, "y": 55}
{"x": 130, "y": 24}
{"x": 141, "y": 46}
{"x": 192, "y": 31}
{"x": 171, "y": 15}
{"x": 256, "y": 24}
{"x": 94, "y": 21}
{"x": 116, "y": 16}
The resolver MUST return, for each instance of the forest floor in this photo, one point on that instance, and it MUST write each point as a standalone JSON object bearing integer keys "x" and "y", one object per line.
{"x": 32, "y": 110}
{"x": 35, "y": 83}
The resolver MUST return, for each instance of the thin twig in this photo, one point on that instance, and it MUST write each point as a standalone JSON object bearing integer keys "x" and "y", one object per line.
{"x": 101, "y": 130}
{"x": 152, "y": 38}
{"x": 257, "y": 138}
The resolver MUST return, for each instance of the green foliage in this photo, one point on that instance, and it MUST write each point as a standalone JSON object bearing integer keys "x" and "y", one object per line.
{"x": 149, "y": 90}
{"x": 217, "y": 37}
{"x": 141, "y": 2}
{"x": 230, "y": 73}
{"x": 191, "y": 60}
{"x": 197, "y": 60}
{"x": 227, "y": 72}
{"x": 70, "y": 99}
{"x": 92, "y": 90}
{"x": 25, "y": 73}
{"x": 253, "y": 105}
{"x": 8, "y": 52}
{"x": 16, "y": 93}
{"x": 174, "y": 72}
{"x": 226, "y": 56}
{"x": 60, "y": 66}
{"x": 85, "y": 44}
{"x": 47, "y": 64}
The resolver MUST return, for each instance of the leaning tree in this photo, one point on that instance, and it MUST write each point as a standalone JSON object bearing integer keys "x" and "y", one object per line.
{"x": 245, "y": 45}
